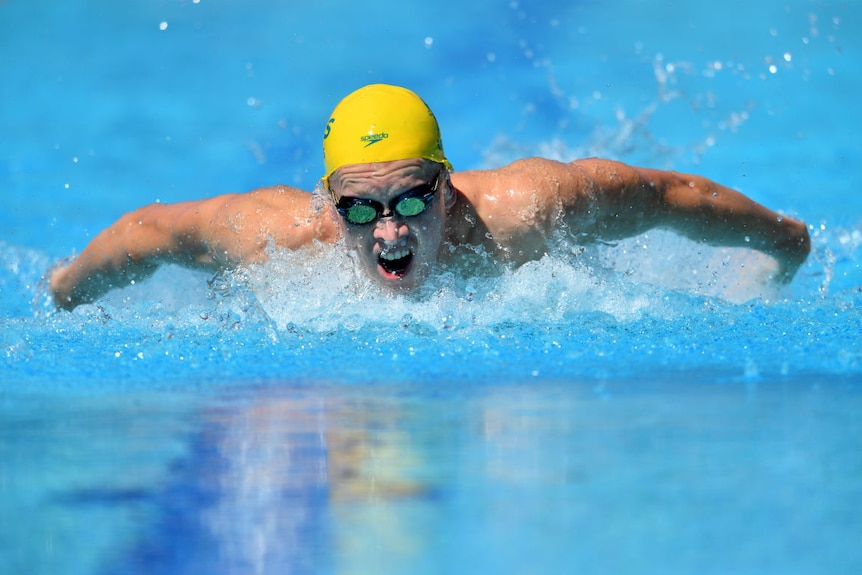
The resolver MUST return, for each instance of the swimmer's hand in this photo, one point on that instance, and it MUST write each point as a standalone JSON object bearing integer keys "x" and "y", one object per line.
{"x": 56, "y": 277}
{"x": 72, "y": 283}
{"x": 62, "y": 284}
{"x": 791, "y": 252}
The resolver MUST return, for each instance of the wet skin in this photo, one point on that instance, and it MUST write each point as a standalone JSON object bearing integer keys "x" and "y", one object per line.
{"x": 397, "y": 252}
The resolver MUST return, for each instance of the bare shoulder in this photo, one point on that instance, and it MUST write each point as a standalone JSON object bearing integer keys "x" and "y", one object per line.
{"x": 534, "y": 179}
{"x": 528, "y": 193}
{"x": 289, "y": 216}
{"x": 239, "y": 227}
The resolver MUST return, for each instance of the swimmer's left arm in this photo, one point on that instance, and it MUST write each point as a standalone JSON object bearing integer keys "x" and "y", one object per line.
{"x": 621, "y": 201}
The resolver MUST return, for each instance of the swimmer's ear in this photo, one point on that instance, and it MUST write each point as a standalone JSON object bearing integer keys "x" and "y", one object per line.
{"x": 449, "y": 193}
{"x": 333, "y": 213}
{"x": 322, "y": 200}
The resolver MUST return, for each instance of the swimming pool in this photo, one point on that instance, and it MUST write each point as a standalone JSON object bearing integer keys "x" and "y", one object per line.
{"x": 638, "y": 408}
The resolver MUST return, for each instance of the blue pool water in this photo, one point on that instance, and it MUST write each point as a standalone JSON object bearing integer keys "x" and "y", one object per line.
{"x": 647, "y": 407}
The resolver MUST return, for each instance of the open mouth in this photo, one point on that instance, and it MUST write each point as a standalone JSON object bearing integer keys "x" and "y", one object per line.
{"x": 395, "y": 262}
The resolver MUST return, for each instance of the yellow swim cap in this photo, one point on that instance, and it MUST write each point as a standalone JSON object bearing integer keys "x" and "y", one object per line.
{"x": 381, "y": 123}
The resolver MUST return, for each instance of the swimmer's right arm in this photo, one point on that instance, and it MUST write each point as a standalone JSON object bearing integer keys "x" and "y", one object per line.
{"x": 209, "y": 234}
{"x": 131, "y": 249}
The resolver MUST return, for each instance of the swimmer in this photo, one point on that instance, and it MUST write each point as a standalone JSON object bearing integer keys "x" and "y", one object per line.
{"x": 391, "y": 195}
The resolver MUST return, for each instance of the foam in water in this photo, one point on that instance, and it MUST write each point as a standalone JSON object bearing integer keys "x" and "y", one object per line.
{"x": 322, "y": 288}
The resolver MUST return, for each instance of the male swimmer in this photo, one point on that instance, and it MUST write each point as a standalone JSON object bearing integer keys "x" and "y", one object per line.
{"x": 393, "y": 197}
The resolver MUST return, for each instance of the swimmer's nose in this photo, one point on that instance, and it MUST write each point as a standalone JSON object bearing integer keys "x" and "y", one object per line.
{"x": 389, "y": 230}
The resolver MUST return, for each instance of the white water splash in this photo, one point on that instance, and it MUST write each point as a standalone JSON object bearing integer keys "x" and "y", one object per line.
{"x": 321, "y": 288}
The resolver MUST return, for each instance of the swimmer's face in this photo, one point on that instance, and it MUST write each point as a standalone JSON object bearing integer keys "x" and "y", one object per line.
{"x": 393, "y": 215}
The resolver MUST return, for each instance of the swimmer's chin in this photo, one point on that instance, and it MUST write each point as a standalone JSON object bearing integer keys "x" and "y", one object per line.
{"x": 408, "y": 281}
{"x": 398, "y": 283}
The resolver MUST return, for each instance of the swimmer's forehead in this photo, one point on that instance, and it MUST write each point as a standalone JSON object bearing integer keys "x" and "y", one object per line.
{"x": 384, "y": 177}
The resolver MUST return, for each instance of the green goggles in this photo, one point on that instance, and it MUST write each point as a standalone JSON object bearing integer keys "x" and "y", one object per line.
{"x": 359, "y": 211}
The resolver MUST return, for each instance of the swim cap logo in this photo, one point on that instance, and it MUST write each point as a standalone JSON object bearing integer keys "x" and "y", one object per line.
{"x": 374, "y": 138}
{"x": 328, "y": 128}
